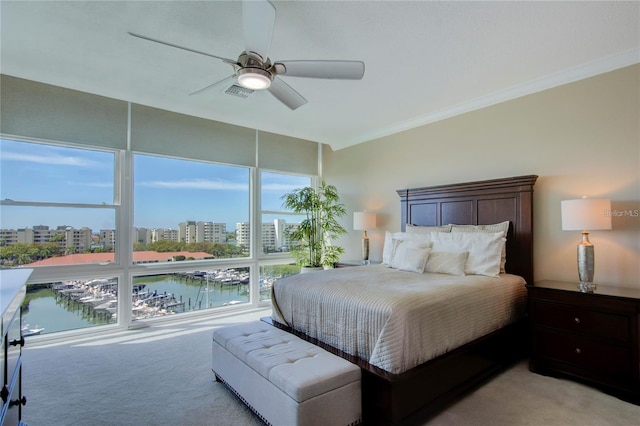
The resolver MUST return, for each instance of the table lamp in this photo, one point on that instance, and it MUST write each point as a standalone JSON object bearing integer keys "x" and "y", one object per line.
{"x": 361, "y": 222}
{"x": 586, "y": 214}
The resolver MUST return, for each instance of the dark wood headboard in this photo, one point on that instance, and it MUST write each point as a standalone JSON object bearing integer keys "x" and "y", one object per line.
{"x": 480, "y": 203}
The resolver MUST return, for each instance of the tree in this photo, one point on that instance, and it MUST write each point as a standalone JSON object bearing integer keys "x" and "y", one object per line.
{"x": 164, "y": 246}
{"x": 313, "y": 236}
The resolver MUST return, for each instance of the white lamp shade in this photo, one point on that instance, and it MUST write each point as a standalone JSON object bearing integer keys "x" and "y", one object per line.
{"x": 586, "y": 214}
{"x": 363, "y": 221}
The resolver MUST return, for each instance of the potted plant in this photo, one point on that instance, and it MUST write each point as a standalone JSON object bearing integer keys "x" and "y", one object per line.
{"x": 312, "y": 238}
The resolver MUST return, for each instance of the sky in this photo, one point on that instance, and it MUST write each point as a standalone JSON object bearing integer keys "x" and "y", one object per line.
{"x": 166, "y": 191}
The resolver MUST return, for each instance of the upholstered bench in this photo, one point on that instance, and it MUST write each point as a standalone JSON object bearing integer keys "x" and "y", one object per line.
{"x": 286, "y": 380}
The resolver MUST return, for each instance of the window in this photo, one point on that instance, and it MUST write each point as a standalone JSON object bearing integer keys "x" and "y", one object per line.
{"x": 100, "y": 194}
{"x": 57, "y": 205}
{"x": 276, "y": 221}
{"x": 269, "y": 274}
{"x": 169, "y": 294}
{"x": 189, "y": 210}
{"x": 69, "y": 305}
{"x": 62, "y": 209}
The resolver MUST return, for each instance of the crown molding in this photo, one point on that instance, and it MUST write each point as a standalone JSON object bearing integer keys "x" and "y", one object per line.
{"x": 581, "y": 72}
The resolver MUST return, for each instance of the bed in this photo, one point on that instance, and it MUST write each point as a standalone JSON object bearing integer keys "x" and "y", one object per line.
{"x": 420, "y": 353}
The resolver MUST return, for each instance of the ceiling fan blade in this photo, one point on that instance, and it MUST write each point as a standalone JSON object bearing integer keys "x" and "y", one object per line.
{"x": 231, "y": 61}
{"x": 286, "y": 94}
{"x": 217, "y": 83}
{"x": 339, "y": 70}
{"x": 258, "y": 20}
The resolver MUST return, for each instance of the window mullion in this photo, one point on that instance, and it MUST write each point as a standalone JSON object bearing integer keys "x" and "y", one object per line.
{"x": 256, "y": 229}
{"x": 124, "y": 232}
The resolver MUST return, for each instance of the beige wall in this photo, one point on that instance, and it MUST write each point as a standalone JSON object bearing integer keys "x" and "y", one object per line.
{"x": 582, "y": 138}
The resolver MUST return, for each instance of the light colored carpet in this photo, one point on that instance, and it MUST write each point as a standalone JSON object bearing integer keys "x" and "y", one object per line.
{"x": 162, "y": 375}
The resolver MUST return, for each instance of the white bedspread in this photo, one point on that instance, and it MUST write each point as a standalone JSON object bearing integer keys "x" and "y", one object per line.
{"x": 396, "y": 320}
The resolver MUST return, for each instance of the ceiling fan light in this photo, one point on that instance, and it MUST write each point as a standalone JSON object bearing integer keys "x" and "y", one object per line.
{"x": 254, "y": 78}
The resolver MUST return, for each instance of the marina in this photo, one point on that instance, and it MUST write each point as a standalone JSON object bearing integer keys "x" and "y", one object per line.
{"x": 83, "y": 303}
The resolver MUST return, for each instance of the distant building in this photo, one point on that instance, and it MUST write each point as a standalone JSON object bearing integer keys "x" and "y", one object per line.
{"x": 275, "y": 235}
{"x": 243, "y": 234}
{"x": 68, "y": 238}
{"x": 8, "y": 237}
{"x": 142, "y": 236}
{"x": 212, "y": 232}
{"x": 161, "y": 234}
{"x": 202, "y": 232}
{"x": 78, "y": 240}
{"x": 187, "y": 231}
{"x": 107, "y": 239}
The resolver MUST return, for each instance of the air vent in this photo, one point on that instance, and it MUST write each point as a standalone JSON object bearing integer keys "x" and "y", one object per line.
{"x": 238, "y": 91}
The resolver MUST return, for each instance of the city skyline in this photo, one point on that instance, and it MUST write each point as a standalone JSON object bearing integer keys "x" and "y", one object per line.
{"x": 167, "y": 191}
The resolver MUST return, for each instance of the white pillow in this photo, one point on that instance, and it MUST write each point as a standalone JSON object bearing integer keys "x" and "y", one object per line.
{"x": 389, "y": 247}
{"x": 496, "y": 227}
{"x": 410, "y": 256}
{"x": 415, "y": 229}
{"x": 484, "y": 249}
{"x": 446, "y": 262}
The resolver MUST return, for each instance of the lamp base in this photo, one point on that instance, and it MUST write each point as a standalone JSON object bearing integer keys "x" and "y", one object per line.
{"x": 586, "y": 260}
{"x": 587, "y": 287}
{"x": 365, "y": 249}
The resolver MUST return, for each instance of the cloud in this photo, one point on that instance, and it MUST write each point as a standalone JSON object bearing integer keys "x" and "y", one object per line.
{"x": 49, "y": 159}
{"x": 217, "y": 184}
{"x": 280, "y": 187}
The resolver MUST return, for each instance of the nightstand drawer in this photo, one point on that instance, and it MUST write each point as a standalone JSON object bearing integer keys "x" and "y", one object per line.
{"x": 583, "y": 353}
{"x": 576, "y": 320}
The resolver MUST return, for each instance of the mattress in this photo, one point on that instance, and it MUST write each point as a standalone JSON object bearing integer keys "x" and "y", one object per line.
{"x": 393, "y": 319}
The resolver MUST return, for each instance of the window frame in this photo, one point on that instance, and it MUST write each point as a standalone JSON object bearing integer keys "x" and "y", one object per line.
{"x": 115, "y": 205}
{"x": 274, "y": 258}
{"x": 123, "y": 268}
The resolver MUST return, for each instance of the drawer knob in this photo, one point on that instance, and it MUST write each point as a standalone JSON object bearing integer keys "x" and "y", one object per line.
{"x": 578, "y": 351}
{"x": 577, "y": 320}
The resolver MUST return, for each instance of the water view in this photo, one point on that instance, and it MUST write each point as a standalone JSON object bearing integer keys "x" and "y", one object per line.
{"x": 72, "y": 305}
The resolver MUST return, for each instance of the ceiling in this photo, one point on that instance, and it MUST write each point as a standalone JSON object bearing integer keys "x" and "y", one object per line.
{"x": 425, "y": 60}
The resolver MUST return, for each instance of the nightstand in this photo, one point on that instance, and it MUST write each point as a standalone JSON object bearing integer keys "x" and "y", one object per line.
{"x": 591, "y": 337}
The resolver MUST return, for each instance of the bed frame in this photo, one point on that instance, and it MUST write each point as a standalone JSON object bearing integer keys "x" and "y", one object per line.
{"x": 415, "y": 395}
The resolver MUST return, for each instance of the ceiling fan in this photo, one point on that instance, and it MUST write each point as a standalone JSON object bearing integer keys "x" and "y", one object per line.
{"x": 255, "y": 71}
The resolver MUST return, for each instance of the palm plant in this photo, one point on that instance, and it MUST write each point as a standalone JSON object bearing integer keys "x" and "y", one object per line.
{"x": 313, "y": 236}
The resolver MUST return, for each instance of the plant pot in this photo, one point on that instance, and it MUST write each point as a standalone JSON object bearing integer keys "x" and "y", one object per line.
{"x": 308, "y": 269}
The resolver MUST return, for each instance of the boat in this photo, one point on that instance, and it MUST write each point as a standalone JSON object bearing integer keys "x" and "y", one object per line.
{"x": 27, "y": 331}
{"x": 110, "y": 306}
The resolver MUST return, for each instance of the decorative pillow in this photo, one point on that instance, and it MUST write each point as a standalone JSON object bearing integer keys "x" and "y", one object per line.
{"x": 484, "y": 249}
{"x": 415, "y": 229}
{"x": 390, "y": 243}
{"x": 387, "y": 248}
{"x": 496, "y": 227}
{"x": 446, "y": 262}
{"x": 410, "y": 256}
